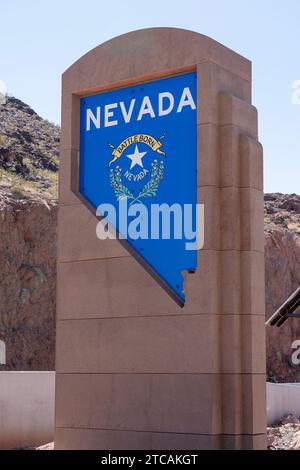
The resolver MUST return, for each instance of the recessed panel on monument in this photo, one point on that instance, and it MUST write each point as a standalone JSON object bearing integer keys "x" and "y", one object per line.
{"x": 138, "y": 156}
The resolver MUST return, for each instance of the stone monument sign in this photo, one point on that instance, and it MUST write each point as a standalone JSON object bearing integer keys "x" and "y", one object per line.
{"x": 160, "y": 345}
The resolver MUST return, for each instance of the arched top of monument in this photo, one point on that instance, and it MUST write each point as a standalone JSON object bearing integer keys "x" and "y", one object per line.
{"x": 147, "y": 52}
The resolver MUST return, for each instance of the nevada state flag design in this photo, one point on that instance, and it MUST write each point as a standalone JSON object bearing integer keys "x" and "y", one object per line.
{"x": 139, "y": 145}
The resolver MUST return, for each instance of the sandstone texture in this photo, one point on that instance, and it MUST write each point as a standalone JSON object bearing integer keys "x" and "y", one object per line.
{"x": 282, "y": 269}
{"x": 28, "y": 213}
{"x": 27, "y": 281}
{"x": 285, "y": 435}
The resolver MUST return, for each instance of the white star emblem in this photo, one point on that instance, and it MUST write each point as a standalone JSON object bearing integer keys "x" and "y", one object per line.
{"x": 136, "y": 158}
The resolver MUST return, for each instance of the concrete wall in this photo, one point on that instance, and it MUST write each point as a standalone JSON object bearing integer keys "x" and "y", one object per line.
{"x": 26, "y": 408}
{"x": 282, "y": 400}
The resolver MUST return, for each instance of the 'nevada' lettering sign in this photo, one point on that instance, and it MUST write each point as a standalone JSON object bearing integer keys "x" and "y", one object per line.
{"x": 138, "y": 167}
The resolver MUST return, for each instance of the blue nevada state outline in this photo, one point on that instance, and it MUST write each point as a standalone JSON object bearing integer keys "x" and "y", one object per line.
{"x": 130, "y": 149}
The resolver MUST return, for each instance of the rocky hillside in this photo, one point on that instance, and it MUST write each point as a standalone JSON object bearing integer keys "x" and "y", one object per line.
{"x": 29, "y": 147}
{"x": 282, "y": 264}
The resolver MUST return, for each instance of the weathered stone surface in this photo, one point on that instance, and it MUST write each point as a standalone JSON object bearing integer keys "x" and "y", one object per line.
{"x": 295, "y": 444}
{"x": 285, "y": 435}
{"x": 29, "y": 147}
{"x": 282, "y": 265}
{"x": 27, "y": 281}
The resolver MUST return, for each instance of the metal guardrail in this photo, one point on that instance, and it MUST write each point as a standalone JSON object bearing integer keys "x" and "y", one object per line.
{"x": 286, "y": 311}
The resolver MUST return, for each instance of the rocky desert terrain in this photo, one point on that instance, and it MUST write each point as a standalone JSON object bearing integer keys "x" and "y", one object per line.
{"x": 29, "y": 148}
{"x": 282, "y": 272}
{"x": 29, "y": 145}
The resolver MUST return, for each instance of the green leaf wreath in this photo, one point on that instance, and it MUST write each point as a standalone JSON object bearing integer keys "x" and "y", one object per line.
{"x": 149, "y": 190}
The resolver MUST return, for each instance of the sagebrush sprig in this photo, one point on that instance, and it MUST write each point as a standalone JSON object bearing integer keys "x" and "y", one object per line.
{"x": 149, "y": 190}
{"x": 157, "y": 174}
{"x": 121, "y": 191}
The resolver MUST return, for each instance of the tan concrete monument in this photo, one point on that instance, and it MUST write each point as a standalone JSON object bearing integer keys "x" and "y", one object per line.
{"x": 134, "y": 370}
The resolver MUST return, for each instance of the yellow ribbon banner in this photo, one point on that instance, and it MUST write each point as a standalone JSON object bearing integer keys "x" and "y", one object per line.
{"x": 153, "y": 143}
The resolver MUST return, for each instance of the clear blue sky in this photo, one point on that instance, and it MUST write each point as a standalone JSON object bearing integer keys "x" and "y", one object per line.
{"x": 40, "y": 39}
